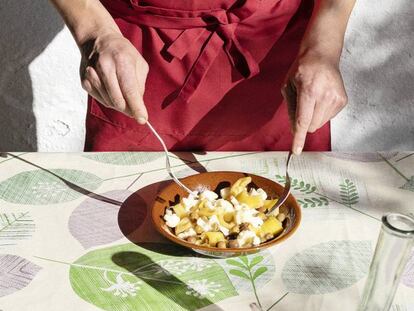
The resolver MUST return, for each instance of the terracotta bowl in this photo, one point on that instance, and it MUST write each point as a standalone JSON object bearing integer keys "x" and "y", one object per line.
{"x": 215, "y": 181}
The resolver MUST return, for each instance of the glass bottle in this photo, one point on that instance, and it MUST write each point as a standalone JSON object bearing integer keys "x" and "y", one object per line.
{"x": 392, "y": 252}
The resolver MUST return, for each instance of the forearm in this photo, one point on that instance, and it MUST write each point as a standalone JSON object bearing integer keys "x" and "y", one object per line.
{"x": 85, "y": 18}
{"x": 326, "y": 29}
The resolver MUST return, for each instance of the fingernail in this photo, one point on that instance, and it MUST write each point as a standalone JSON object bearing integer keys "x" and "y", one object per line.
{"x": 297, "y": 150}
{"x": 142, "y": 120}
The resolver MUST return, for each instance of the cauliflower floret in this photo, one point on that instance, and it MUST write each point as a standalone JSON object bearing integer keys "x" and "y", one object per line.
{"x": 208, "y": 225}
{"x": 208, "y": 195}
{"x": 186, "y": 234}
{"x": 260, "y": 192}
{"x": 225, "y": 192}
{"x": 171, "y": 219}
{"x": 245, "y": 237}
{"x": 189, "y": 202}
{"x": 248, "y": 215}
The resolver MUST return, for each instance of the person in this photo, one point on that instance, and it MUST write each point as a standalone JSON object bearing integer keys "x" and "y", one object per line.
{"x": 209, "y": 74}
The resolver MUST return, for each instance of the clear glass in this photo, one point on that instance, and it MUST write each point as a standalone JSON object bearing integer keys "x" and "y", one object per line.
{"x": 390, "y": 258}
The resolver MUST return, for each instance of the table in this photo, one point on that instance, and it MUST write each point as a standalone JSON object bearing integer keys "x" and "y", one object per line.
{"x": 75, "y": 233}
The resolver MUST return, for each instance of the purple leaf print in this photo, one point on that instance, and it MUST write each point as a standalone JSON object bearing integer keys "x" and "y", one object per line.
{"x": 95, "y": 221}
{"x": 15, "y": 273}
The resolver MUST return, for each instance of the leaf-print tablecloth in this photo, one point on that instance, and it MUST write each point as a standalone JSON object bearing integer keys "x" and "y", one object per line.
{"x": 75, "y": 233}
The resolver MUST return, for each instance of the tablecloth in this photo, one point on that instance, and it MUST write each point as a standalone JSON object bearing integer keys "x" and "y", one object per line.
{"x": 75, "y": 233}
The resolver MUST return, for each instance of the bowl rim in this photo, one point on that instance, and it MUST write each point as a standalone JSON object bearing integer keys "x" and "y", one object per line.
{"x": 170, "y": 236}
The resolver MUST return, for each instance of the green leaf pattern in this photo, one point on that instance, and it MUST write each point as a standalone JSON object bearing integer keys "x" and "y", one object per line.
{"x": 38, "y": 187}
{"x": 249, "y": 268}
{"x": 240, "y": 274}
{"x": 125, "y": 276}
{"x": 298, "y": 185}
{"x": 313, "y": 202}
{"x": 15, "y": 227}
{"x": 244, "y": 264}
{"x": 348, "y": 193}
{"x": 256, "y": 260}
{"x": 124, "y": 158}
{"x": 236, "y": 263}
{"x": 259, "y": 272}
{"x": 327, "y": 267}
{"x": 304, "y": 190}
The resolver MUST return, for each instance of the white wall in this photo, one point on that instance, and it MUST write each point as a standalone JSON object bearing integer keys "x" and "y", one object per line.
{"x": 378, "y": 68}
{"x": 42, "y": 105}
{"x": 59, "y": 101}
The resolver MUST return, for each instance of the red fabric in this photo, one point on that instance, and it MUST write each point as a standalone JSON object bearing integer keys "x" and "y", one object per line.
{"x": 216, "y": 69}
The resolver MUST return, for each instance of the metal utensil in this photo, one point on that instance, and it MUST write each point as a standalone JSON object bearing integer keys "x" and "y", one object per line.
{"x": 286, "y": 191}
{"x": 168, "y": 164}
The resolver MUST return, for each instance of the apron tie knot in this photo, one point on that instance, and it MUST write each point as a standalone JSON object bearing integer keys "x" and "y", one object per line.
{"x": 205, "y": 31}
{"x": 219, "y": 32}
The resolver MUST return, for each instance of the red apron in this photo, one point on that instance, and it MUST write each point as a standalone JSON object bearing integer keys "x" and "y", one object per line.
{"x": 216, "y": 69}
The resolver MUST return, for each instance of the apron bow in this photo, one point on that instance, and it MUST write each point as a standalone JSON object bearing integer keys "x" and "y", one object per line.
{"x": 204, "y": 31}
{"x": 219, "y": 32}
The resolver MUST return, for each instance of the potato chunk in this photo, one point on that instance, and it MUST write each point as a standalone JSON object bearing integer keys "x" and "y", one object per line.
{"x": 223, "y": 222}
{"x": 270, "y": 203}
{"x": 240, "y": 185}
{"x": 212, "y": 238}
{"x": 228, "y": 217}
{"x": 272, "y": 226}
{"x": 179, "y": 209}
{"x": 183, "y": 225}
{"x": 252, "y": 201}
{"x": 204, "y": 210}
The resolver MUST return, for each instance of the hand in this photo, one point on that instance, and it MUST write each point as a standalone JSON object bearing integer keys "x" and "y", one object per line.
{"x": 114, "y": 73}
{"x": 315, "y": 93}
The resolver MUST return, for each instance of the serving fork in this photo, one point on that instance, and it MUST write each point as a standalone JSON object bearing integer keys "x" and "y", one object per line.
{"x": 286, "y": 190}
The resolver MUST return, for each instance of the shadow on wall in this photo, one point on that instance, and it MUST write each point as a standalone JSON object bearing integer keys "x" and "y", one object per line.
{"x": 26, "y": 29}
{"x": 378, "y": 68}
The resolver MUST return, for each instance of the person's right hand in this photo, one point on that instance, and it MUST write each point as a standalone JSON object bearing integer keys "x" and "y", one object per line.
{"x": 114, "y": 73}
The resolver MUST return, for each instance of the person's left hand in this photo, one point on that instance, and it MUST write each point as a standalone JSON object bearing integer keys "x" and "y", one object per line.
{"x": 315, "y": 93}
